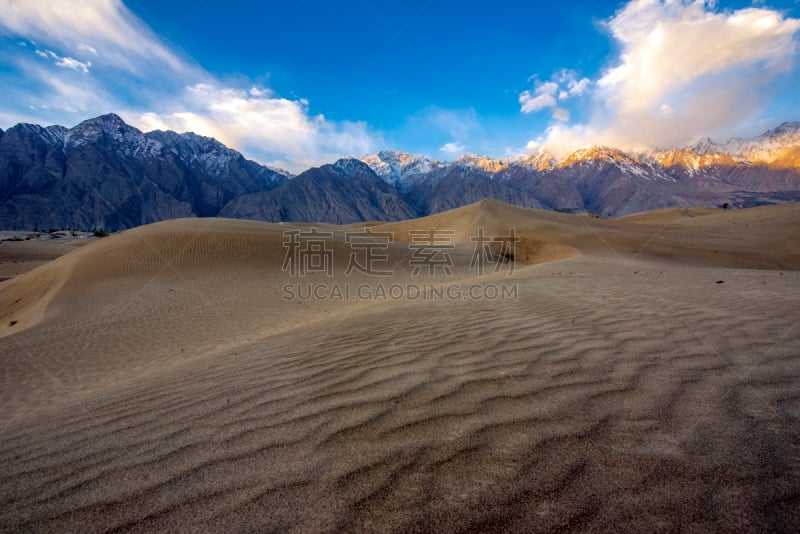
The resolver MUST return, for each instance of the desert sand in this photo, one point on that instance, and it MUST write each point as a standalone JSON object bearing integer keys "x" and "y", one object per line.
{"x": 647, "y": 377}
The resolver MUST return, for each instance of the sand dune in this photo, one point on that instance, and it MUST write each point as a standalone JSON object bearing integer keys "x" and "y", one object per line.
{"x": 157, "y": 379}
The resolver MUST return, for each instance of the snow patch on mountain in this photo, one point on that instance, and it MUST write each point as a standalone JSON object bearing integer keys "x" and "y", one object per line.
{"x": 352, "y": 167}
{"x": 541, "y": 160}
{"x": 127, "y": 139}
{"x": 400, "y": 169}
{"x": 484, "y": 163}
{"x": 768, "y": 146}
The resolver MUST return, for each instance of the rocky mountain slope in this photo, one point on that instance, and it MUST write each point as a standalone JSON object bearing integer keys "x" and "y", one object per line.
{"x": 106, "y": 174}
{"x": 345, "y": 192}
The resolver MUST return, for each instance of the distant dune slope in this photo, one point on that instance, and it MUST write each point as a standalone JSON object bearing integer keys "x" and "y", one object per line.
{"x": 196, "y": 286}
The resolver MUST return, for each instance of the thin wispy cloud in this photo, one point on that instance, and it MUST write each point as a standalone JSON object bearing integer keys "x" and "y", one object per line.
{"x": 65, "y": 62}
{"x": 99, "y": 25}
{"x": 83, "y": 47}
{"x": 127, "y": 69}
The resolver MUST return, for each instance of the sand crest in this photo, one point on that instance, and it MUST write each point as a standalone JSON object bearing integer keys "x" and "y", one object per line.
{"x": 157, "y": 379}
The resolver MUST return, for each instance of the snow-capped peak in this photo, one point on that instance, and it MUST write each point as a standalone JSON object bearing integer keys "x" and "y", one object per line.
{"x": 541, "y": 160}
{"x": 705, "y": 146}
{"x": 352, "y": 167}
{"x": 636, "y": 165}
{"x": 214, "y": 157}
{"x": 53, "y": 135}
{"x": 767, "y": 147}
{"x": 483, "y": 163}
{"x": 125, "y": 138}
{"x": 400, "y": 169}
{"x": 598, "y": 153}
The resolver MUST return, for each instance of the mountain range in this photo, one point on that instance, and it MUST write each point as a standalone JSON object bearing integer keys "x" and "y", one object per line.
{"x": 104, "y": 173}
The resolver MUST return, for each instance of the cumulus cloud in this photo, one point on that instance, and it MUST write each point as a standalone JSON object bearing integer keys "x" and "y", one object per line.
{"x": 578, "y": 87}
{"x": 533, "y": 145}
{"x": 564, "y": 84}
{"x": 453, "y": 147}
{"x": 542, "y": 97}
{"x": 685, "y": 70}
{"x": 162, "y": 89}
{"x": 279, "y": 131}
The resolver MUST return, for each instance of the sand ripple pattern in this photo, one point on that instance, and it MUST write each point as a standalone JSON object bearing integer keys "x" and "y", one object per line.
{"x": 604, "y": 399}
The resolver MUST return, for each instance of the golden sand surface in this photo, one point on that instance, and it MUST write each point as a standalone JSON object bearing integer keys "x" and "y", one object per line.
{"x": 646, "y": 377}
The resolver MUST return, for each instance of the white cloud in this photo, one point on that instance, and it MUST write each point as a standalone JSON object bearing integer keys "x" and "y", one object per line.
{"x": 108, "y": 24}
{"x": 685, "y": 70}
{"x": 74, "y": 64}
{"x": 453, "y": 147}
{"x": 259, "y": 91}
{"x": 564, "y": 84}
{"x": 533, "y": 145}
{"x": 275, "y": 130}
{"x": 561, "y": 114}
{"x": 531, "y": 103}
{"x": 578, "y": 88}
{"x": 83, "y": 47}
{"x": 65, "y": 62}
{"x": 541, "y": 98}
{"x": 161, "y": 89}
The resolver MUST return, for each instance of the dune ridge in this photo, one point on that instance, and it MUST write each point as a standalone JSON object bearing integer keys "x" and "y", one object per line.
{"x": 167, "y": 386}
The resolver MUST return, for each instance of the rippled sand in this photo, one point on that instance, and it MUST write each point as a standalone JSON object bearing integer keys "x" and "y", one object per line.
{"x": 157, "y": 380}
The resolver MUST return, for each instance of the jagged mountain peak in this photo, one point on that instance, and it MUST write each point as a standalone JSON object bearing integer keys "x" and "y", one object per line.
{"x": 396, "y": 155}
{"x": 706, "y": 146}
{"x": 104, "y": 173}
{"x": 108, "y": 123}
{"x": 596, "y": 158}
{"x": 786, "y": 128}
{"x": 483, "y": 163}
{"x": 771, "y": 147}
{"x": 108, "y": 120}
{"x": 400, "y": 169}
{"x": 541, "y": 160}
{"x": 212, "y": 156}
{"x": 352, "y": 167}
{"x": 111, "y": 129}
{"x": 396, "y": 159}
{"x": 190, "y": 143}
{"x": 598, "y": 153}
{"x": 52, "y": 135}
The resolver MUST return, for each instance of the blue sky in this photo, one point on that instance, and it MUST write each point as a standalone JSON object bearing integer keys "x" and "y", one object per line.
{"x": 297, "y": 83}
